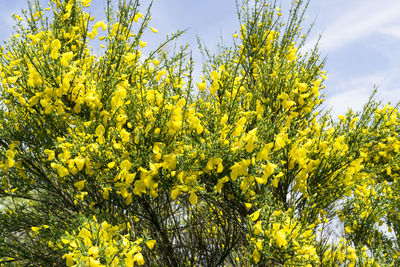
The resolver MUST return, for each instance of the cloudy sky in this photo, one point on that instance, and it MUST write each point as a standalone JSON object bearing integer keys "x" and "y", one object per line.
{"x": 360, "y": 39}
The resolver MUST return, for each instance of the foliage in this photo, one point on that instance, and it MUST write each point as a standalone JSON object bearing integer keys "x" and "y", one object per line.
{"x": 121, "y": 158}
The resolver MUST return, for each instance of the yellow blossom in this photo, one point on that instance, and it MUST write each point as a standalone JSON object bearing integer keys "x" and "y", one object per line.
{"x": 255, "y": 215}
{"x": 80, "y": 185}
{"x": 150, "y": 244}
{"x": 202, "y": 86}
{"x": 12, "y": 79}
{"x": 35, "y": 229}
{"x": 142, "y": 44}
{"x": 100, "y": 24}
{"x": 66, "y": 58}
{"x": 94, "y": 251}
{"x": 139, "y": 259}
{"x": 193, "y": 198}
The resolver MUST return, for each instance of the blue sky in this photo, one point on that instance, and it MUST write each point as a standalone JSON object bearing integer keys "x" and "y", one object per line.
{"x": 359, "y": 38}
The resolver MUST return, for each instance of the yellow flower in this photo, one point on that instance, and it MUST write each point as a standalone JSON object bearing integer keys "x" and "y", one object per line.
{"x": 224, "y": 119}
{"x": 12, "y": 79}
{"x": 348, "y": 230}
{"x": 170, "y": 162}
{"x": 139, "y": 259}
{"x": 220, "y": 168}
{"x": 193, "y": 198}
{"x": 69, "y": 259}
{"x": 79, "y": 162}
{"x": 100, "y": 130}
{"x": 33, "y": 38}
{"x": 255, "y": 215}
{"x": 175, "y": 193}
{"x": 94, "y": 251}
{"x": 137, "y": 16}
{"x": 287, "y": 104}
{"x": 264, "y": 153}
{"x": 100, "y": 24}
{"x": 248, "y": 205}
{"x": 106, "y": 192}
{"x": 10, "y": 154}
{"x": 80, "y": 185}
{"x": 84, "y": 233}
{"x": 65, "y": 58}
{"x": 291, "y": 55}
{"x": 125, "y": 165}
{"x": 302, "y": 86}
{"x": 54, "y": 54}
{"x": 153, "y": 30}
{"x": 142, "y": 44}
{"x": 55, "y": 46}
{"x": 86, "y": 3}
{"x": 281, "y": 239}
{"x": 202, "y": 86}
{"x": 276, "y": 179}
{"x": 275, "y": 182}
{"x": 215, "y": 75}
{"x": 257, "y": 228}
{"x": 111, "y": 164}
{"x": 256, "y": 256}
{"x": 280, "y": 140}
{"x": 35, "y": 229}
{"x": 61, "y": 170}
{"x": 125, "y": 136}
{"x": 279, "y": 235}
{"x": 250, "y": 138}
{"x": 150, "y": 244}
{"x": 94, "y": 263}
{"x": 50, "y": 154}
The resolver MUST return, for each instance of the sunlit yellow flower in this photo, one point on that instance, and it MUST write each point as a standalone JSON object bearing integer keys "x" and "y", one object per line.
{"x": 66, "y": 58}
{"x": 100, "y": 24}
{"x": 139, "y": 259}
{"x": 142, "y": 44}
{"x": 80, "y": 185}
{"x": 35, "y": 229}
{"x": 193, "y": 198}
{"x": 150, "y": 244}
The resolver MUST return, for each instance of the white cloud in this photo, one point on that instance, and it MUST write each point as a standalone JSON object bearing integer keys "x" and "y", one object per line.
{"x": 356, "y": 20}
{"x": 353, "y": 98}
{"x": 354, "y": 93}
{"x": 393, "y": 31}
{"x": 351, "y": 31}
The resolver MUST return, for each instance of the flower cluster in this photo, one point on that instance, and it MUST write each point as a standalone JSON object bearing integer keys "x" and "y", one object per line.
{"x": 97, "y": 245}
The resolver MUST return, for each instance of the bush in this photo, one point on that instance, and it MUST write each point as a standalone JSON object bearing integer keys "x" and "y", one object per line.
{"x": 122, "y": 158}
